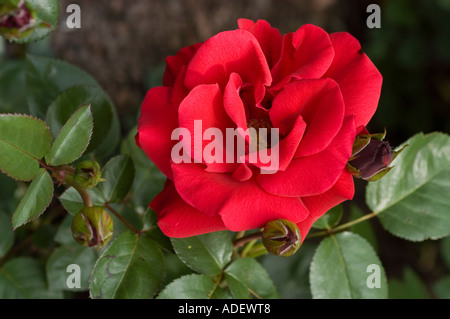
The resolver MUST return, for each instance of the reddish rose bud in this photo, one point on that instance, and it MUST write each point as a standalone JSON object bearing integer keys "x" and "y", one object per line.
{"x": 281, "y": 237}
{"x": 371, "y": 157}
{"x": 18, "y": 18}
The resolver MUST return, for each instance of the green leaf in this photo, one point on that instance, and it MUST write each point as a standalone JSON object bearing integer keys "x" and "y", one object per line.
{"x": 111, "y": 140}
{"x": 61, "y": 258}
{"x": 339, "y": 269}
{"x": 47, "y": 12}
{"x": 9, "y": 192}
{"x": 442, "y": 288}
{"x": 246, "y": 277}
{"x": 175, "y": 268}
{"x": 46, "y": 20}
{"x": 412, "y": 200}
{"x": 43, "y": 236}
{"x": 6, "y": 234}
{"x": 290, "y": 275}
{"x": 129, "y": 146}
{"x": 37, "y": 198}
{"x": 66, "y": 103}
{"x": 129, "y": 214}
{"x": 73, "y": 138}
{"x": 194, "y": 286}
{"x": 24, "y": 278}
{"x": 411, "y": 287}
{"x": 330, "y": 219}
{"x": 46, "y": 78}
{"x": 150, "y": 226}
{"x": 119, "y": 176}
{"x": 132, "y": 267}
{"x": 364, "y": 229}
{"x": 72, "y": 202}
{"x": 12, "y": 86}
{"x": 149, "y": 180}
{"x": 207, "y": 254}
{"x": 24, "y": 140}
{"x": 63, "y": 234}
{"x": 445, "y": 251}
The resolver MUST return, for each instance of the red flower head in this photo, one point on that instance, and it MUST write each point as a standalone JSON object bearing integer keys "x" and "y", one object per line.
{"x": 315, "y": 89}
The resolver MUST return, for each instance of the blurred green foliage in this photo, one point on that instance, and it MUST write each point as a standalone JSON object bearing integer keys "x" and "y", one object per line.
{"x": 412, "y": 52}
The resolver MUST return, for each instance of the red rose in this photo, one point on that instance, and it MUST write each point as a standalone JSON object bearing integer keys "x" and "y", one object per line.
{"x": 317, "y": 89}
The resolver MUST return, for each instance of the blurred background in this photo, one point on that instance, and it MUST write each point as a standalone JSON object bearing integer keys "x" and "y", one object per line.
{"x": 123, "y": 44}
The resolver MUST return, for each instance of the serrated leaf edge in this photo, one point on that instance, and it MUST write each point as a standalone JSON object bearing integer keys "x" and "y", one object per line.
{"x": 35, "y": 158}
{"x": 90, "y": 135}
{"x": 185, "y": 276}
{"x": 38, "y": 215}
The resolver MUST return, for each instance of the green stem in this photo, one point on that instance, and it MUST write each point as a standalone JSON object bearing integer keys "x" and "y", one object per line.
{"x": 64, "y": 174}
{"x": 243, "y": 240}
{"x": 120, "y": 217}
{"x": 239, "y": 234}
{"x": 87, "y": 200}
{"x": 247, "y": 248}
{"x": 257, "y": 250}
{"x": 218, "y": 281}
{"x": 343, "y": 226}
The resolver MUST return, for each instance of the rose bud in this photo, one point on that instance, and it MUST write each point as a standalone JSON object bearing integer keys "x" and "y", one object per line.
{"x": 371, "y": 157}
{"x": 281, "y": 237}
{"x": 87, "y": 174}
{"x": 15, "y": 19}
{"x": 92, "y": 227}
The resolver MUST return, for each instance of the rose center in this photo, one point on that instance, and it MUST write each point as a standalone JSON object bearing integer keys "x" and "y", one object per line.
{"x": 260, "y": 134}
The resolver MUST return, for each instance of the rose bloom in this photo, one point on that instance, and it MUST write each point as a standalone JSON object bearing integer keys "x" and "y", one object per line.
{"x": 318, "y": 89}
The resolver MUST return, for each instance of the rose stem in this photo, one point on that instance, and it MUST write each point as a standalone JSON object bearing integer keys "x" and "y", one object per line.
{"x": 123, "y": 220}
{"x": 343, "y": 226}
{"x": 243, "y": 240}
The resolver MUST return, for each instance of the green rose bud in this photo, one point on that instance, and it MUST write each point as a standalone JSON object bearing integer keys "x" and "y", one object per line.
{"x": 281, "y": 237}
{"x": 87, "y": 174}
{"x": 92, "y": 227}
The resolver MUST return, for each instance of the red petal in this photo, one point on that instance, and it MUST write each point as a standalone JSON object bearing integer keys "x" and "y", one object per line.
{"x": 178, "y": 219}
{"x": 315, "y": 174}
{"x": 242, "y": 205}
{"x": 289, "y": 145}
{"x": 179, "y": 91}
{"x": 358, "y": 78}
{"x": 157, "y": 120}
{"x": 205, "y": 103}
{"x": 242, "y": 173}
{"x": 227, "y": 52}
{"x": 319, "y": 103}
{"x": 174, "y": 63}
{"x": 305, "y": 225}
{"x": 361, "y": 130}
{"x": 318, "y": 205}
{"x": 269, "y": 38}
{"x": 306, "y": 54}
{"x": 233, "y": 103}
{"x": 343, "y": 190}
{"x": 245, "y": 24}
